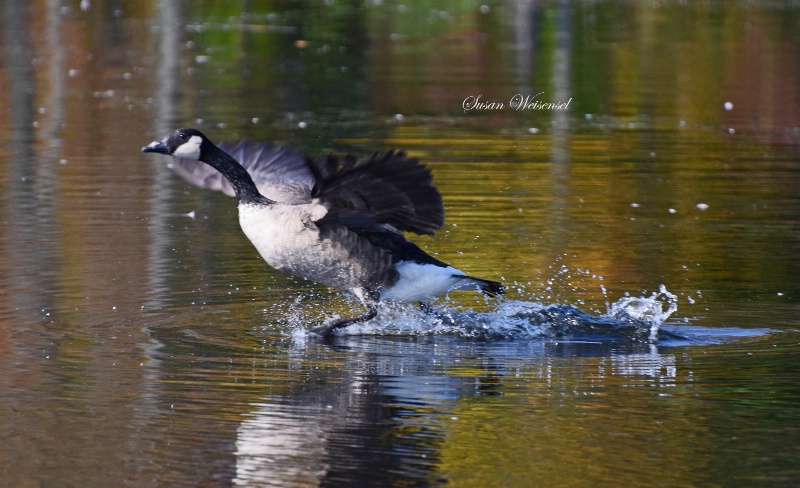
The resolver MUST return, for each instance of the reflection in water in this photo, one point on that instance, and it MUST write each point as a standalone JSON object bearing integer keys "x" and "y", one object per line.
{"x": 31, "y": 192}
{"x": 560, "y": 154}
{"x": 386, "y": 418}
{"x": 274, "y": 449}
{"x": 660, "y": 368}
{"x": 162, "y": 211}
{"x": 141, "y": 347}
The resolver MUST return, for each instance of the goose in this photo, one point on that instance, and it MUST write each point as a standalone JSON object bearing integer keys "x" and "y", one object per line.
{"x": 338, "y": 222}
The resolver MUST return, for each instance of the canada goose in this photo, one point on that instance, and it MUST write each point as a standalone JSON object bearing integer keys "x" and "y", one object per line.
{"x": 338, "y": 223}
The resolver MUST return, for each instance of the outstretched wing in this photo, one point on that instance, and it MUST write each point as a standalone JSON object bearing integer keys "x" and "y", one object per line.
{"x": 388, "y": 188}
{"x": 281, "y": 174}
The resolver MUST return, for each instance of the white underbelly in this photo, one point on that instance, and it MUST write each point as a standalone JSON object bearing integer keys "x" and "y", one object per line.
{"x": 420, "y": 282}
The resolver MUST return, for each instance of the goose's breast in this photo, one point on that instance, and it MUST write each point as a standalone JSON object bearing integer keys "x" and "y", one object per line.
{"x": 279, "y": 233}
{"x": 289, "y": 240}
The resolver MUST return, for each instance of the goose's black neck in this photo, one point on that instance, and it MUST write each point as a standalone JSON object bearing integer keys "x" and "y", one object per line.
{"x": 239, "y": 178}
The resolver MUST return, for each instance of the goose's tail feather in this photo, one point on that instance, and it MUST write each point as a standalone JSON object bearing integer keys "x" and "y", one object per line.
{"x": 487, "y": 287}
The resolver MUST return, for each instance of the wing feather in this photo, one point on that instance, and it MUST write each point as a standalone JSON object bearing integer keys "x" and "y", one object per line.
{"x": 386, "y": 191}
{"x": 281, "y": 174}
{"x": 388, "y": 188}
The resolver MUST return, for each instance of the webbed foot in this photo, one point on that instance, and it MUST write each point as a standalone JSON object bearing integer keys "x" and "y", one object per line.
{"x": 326, "y": 330}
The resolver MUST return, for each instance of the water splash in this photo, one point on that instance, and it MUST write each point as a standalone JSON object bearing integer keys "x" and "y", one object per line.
{"x": 629, "y": 319}
{"x": 646, "y": 310}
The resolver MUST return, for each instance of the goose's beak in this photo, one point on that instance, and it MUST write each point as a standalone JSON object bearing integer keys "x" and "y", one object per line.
{"x": 156, "y": 147}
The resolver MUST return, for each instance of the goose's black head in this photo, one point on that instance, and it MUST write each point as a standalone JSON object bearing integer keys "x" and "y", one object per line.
{"x": 192, "y": 144}
{"x": 183, "y": 143}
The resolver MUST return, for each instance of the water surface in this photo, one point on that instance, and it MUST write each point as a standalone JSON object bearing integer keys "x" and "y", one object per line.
{"x": 647, "y": 234}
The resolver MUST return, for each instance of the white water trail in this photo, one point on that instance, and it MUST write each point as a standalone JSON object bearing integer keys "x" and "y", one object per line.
{"x": 628, "y": 319}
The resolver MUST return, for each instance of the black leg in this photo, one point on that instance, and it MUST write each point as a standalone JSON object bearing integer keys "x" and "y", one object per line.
{"x": 325, "y": 330}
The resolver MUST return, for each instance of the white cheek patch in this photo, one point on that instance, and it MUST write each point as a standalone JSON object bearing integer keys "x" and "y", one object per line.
{"x": 189, "y": 149}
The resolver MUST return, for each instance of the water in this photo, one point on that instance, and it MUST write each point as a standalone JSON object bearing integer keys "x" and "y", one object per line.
{"x": 647, "y": 237}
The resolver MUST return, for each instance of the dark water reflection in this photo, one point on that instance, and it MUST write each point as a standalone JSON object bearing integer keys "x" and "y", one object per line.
{"x": 144, "y": 343}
